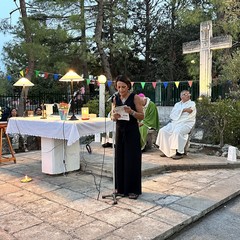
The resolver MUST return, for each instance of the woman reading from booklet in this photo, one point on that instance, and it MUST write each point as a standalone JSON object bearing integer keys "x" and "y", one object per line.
{"x": 127, "y": 110}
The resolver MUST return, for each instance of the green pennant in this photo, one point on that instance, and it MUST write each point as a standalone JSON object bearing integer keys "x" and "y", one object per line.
{"x": 143, "y": 84}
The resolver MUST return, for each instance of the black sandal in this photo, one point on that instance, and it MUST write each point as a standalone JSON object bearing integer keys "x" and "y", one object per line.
{"x": 133, "y": 196}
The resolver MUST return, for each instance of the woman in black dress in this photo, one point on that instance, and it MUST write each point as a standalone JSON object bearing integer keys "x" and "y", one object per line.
{"x": 128, "y": 155}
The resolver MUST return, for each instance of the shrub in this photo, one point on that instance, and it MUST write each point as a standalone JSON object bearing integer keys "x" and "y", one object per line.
{"x": 220, "y": 121}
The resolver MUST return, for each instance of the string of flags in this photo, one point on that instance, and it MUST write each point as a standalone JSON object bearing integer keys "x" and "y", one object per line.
{"x": 38, "y": 73}
{"x": 57, "y": 76}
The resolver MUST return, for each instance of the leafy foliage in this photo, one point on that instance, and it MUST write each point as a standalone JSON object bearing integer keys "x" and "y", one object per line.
{"x": 220, "y": 121}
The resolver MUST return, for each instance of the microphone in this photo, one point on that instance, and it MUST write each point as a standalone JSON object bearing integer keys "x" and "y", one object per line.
{"x": 111, "y": 98}
{"x": 75, "y": 93}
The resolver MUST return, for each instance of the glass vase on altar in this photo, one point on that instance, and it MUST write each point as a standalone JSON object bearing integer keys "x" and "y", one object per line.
{"x": 63, "y": 109}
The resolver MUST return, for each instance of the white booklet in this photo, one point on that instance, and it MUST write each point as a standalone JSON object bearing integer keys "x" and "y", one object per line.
{"x": 120, "y": 110}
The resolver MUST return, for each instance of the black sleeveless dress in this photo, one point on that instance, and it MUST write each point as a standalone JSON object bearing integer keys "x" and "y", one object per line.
{"x": 128, "y": 155}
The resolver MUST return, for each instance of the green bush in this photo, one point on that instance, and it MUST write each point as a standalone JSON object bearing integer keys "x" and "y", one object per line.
{"x": 219, "y": 120}
{"x": 93, "y": 106}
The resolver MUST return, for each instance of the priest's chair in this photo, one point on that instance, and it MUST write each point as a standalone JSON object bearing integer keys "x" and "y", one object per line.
{"x": 187, "y": 146}
{"x": 3, "y": 127}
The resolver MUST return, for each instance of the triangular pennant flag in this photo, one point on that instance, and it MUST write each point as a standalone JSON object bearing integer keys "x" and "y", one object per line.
{"x": 88, "y": 81}
{"x": 21, "y": 73}
{"x": 36, "y": 73}
{"x": 143, "y": 84}
{"x": 109, "y": 83}
{"x": 55, "y": 76}
{"x": 9, "y": 78}
{"x": 165, "y": 84}
{"x": 26, "y": 71}
{"x": 132, "y": 83}
{"x": 154, "y": 84}
{"x": 46, "y": 75}
{"x": 177, "y": 84}
{"x": 190, "y": 83}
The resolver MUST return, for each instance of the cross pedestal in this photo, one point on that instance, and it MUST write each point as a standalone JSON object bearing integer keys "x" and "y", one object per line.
{"x": 205, "y": 46}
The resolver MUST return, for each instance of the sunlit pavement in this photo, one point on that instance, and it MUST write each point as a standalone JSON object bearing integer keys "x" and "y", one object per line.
{"x": 70, "y": 205}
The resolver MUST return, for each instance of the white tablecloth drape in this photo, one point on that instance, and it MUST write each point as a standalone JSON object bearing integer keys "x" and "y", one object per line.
{"x": 53, "y": 127}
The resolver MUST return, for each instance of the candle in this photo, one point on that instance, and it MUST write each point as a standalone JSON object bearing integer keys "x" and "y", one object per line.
{"x": 85, "y": 113}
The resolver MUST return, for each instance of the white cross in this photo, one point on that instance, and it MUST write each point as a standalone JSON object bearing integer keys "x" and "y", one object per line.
{"x": 205, "y": 46}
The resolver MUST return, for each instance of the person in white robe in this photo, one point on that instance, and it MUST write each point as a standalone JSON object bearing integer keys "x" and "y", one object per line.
{"x": 173, "y": 137}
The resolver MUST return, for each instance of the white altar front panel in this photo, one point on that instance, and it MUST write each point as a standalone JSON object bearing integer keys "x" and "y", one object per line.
{"x": 57, "y": 157}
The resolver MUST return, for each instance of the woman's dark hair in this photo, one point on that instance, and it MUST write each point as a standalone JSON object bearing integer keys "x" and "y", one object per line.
{"x": 123, "y": 78}
{"x": 10, "y": 113}
{"x": 39, "y": 107}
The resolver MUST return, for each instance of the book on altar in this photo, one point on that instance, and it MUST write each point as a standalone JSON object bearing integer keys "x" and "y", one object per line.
{"x": 120, "y": 110}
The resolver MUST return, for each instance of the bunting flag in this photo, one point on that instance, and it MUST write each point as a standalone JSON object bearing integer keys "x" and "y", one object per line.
{"x": 9, "y": 78}
{"x": 26, "y": 71}
{"x": 42, "y": 75}
{"x": 165, "y": 84}
{"x": 132, "y": 83}
{"x": 190, "y": 83}
{"x": 154, "y": 84}
{"x": 177, "y": 84}
{"x": 22, "y": 73}
{"x": 143, "y": 84}
{"x": 88, "y": 81}
{"x": 46, "y": 75}
{"x": 36, "y": 73}
{"x": 55, "y": 76}
{"x": 109, "y": 83}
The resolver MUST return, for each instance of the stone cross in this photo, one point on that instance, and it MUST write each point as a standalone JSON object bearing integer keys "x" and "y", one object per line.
{"x": 205, "y": 46}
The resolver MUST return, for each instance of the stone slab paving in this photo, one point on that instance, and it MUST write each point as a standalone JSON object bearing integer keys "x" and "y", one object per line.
{"x": 70, "y": 205}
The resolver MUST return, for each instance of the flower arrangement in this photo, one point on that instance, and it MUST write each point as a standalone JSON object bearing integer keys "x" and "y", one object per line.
{"x": 63, "y": 105}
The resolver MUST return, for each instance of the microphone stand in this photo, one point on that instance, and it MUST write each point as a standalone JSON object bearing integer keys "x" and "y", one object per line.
{"x": 73, "y": 117}
{"x": 114, "y": 195}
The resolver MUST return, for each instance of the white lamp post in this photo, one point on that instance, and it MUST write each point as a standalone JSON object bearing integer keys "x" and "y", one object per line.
{"x": 102, "y": 80}
{"x": 24, "y": 82}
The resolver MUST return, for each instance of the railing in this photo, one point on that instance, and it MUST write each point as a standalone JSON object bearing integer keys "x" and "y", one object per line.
{"x": 168, "y": 95}
{"x": 160, "y": 95}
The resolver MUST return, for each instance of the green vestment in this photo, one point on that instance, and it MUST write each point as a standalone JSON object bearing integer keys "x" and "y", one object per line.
{"x": 150, "y": 121}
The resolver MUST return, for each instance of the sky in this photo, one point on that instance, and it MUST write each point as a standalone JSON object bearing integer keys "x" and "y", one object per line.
{"x": 6, "y": 6}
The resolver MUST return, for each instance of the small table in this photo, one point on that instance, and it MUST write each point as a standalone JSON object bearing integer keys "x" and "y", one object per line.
{"x": 60, "y": 148}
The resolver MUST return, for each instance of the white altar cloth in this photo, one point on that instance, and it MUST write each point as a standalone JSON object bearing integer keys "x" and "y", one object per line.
{"x": 53, "y": 127}
{"x": 55, "y": 135}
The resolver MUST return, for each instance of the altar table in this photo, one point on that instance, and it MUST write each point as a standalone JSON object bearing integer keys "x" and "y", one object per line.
{"x": 60, "y": 148}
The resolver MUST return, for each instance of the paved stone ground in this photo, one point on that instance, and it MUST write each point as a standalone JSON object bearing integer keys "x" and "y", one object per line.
{"x": 70, "y": 205}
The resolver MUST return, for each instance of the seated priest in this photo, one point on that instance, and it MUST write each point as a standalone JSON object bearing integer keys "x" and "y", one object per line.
{"x": 173, "y": 137}
{"x": 150, "y": 121}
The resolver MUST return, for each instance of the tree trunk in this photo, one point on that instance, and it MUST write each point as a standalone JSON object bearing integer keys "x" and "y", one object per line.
{"x": 98, "y": 39}
{"x": 84, "y": 43}
{"x": 31, "y": 63}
